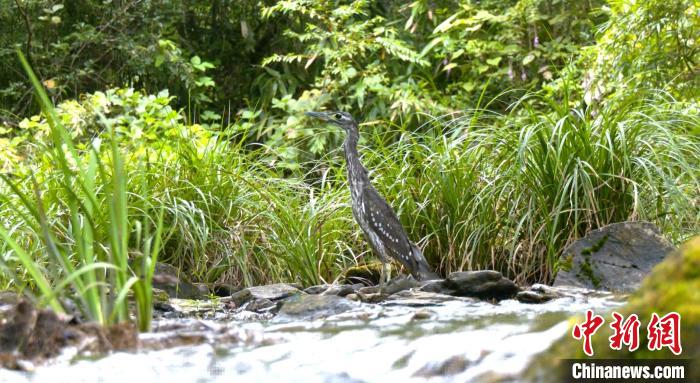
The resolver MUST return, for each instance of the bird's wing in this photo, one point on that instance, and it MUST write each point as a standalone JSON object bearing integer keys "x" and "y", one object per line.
{"x": 383, "y": 221}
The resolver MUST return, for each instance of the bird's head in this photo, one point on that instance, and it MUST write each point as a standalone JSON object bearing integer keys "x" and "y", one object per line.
{"x": 342, "y": 119}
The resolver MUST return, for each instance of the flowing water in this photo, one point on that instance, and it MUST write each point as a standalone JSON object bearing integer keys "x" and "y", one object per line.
{"x": 402, "y": 340}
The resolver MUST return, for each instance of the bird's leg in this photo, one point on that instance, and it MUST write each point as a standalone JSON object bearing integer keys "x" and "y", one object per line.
{"x": 384, "y": 276}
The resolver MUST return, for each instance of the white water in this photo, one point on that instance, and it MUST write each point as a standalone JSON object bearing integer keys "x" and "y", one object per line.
{"x": 377, "y": 343}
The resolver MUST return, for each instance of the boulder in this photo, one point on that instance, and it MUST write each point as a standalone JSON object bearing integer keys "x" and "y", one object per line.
{"x": 614, "y": 258}
{"x": 312, "y": 307}
{"x": 672, "y": 286}
{"x": 483, "y": 284}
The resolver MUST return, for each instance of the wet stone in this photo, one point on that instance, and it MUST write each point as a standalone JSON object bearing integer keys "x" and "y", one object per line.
{"x": 538, "y": 294}
{"x": 422, "y": 314}
{"x": 312, "y": 307}
{"x": 530, "y": 296}
{"x": 195, "y": 307}
{"x": 343, "y": 290}
{"x": 451, "y": 366}
{"x": 241, "y": 297}
{"x": 260, "y": 306}
{"x": 353, "y": 297}
{"x": 271, "y": 292}
{"x": 394, "y": 286}
{"x": 318, "y": 289}
{"x": 417, "y": 299}
{"x": 436, "y": 286}
{"x": 483, "y": 284}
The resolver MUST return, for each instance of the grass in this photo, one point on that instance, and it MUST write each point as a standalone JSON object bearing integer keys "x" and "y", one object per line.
{"x": 85, "y": 254}
{"x": 480, "y": 191}
{"x": 510, "y": 192}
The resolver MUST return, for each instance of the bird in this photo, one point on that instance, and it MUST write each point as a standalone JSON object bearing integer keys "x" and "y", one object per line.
{"x": 380, "y": 225}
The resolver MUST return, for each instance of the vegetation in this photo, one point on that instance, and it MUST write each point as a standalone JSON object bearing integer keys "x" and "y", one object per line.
{"x": 499, "y": 131}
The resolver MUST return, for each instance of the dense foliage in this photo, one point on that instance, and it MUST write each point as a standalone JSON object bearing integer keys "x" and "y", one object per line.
{"x": 499, "y": 130}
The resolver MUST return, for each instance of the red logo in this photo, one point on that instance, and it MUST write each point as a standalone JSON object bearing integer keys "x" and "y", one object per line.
{"x": 662, "y": 332}
{"x": 587, "y": 329}
{"x": 626, "y": 332}
{"x": 665, "y": 332}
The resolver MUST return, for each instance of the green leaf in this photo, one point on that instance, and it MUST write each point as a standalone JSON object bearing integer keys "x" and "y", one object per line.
{"x": 494, "y": 61}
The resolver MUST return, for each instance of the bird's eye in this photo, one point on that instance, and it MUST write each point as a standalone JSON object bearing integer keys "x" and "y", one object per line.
{"x": 338, "y": 116}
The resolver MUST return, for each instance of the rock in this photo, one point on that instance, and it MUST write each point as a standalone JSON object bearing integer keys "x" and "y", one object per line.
{"x": 8, "y": 298}
{"x": 614, "y": 258}
{"x": 343, "y": 290}
{"x": 422, "y": 314}
{"x": 538, "y": 294}
{"x": 411, "y": 298}
{"x": 272, "y": 292}
{"x": 46, "y": 337}
{"x": 224, "y": 289}
{"x": 318, "y": 289}
{"x": 530, "y": 296}
{"x": 367, "y": 274}
{"x": 241, "y": 297}
{"x": 171, "y": 280}
{"x": 395, "y": 285}
{"x": 484, "y": 284}
{"x": 451, "y": 366}
{"x": 436, "y": 286}
{"x": 196, "y": 307}
{"x": 312, "y": 307}
{"x": 15, "y": 330}
{"x": 275, "y": 291}
{"x": 260, "y": 306}
{"x": 371, "y": 297}
{"x": 672, "y": 286}
{"x": 160, "y": 296}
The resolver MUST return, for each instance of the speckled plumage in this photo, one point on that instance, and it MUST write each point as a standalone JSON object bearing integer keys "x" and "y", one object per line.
{"x": 376, "y": 218}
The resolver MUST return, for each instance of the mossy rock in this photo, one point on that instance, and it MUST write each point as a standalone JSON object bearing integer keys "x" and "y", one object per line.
{"x": 615, "y": 258}
{"x": 672, "y": 286}
{"x": 160, "y": 296}
{"x": 367, "y": 273}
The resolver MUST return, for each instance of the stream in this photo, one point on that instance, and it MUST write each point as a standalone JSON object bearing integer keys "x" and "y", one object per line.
{"x": 409, "y": 337}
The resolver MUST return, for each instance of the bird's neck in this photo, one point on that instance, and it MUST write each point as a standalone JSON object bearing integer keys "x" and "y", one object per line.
{"x": 357, "y": 174}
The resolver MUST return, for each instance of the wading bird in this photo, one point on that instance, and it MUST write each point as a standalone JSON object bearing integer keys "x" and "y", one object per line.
{"x": 376, "y": 218}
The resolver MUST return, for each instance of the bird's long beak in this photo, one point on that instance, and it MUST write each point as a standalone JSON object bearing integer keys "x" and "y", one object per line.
{"x": 320, "y": 115}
